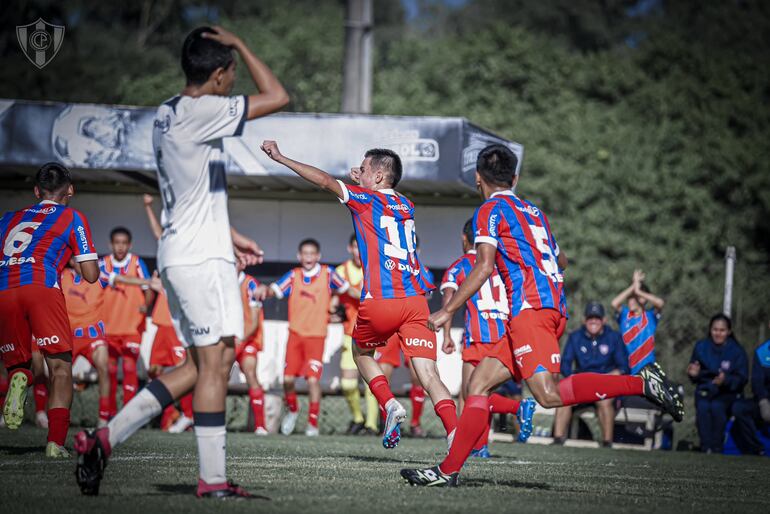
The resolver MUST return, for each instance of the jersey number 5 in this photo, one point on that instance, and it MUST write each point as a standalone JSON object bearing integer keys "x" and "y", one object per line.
{"x": 548, "y": 264}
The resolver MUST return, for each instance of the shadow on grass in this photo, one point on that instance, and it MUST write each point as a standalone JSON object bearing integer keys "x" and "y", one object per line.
{"x": 481, "y": 482}
{"x": 21, "y": 450}
{"x": 367, "y": 458}
{"x": 189, "y": 490}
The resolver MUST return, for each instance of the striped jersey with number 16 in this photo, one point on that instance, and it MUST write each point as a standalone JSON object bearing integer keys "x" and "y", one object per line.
{"x": 384, "y": 224}
{"x": 37, "y": 242}
{"x": 526, "y": 252}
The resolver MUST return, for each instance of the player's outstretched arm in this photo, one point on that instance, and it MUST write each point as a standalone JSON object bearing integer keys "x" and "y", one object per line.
{"x": 157, "y": 230}
{"x": 310, "y": 173}
{"x": 482, "y": 270}
{"x": 272, "y": 96}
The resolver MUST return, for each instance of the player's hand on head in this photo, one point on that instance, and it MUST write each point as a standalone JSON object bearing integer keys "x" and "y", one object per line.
{"x": 271, "y": 149}
{"x": 222, "y": 36}
{"x": 147, "y": 199}
{"x": 438, "y": 319}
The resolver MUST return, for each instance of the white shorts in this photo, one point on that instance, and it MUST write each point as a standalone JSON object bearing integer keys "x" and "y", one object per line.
{"x": 205, "y": 301}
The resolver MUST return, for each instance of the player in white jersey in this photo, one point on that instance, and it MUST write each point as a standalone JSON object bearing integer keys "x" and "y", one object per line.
{"x": 196, "y": 253}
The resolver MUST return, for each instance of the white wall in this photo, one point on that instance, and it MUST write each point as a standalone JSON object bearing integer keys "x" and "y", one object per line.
{"x": 277, "y": 225}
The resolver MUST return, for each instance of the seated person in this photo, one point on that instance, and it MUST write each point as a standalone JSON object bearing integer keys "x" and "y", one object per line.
{"x": 752, "y": 415}
{"x": 598, "y": 349}
{"x": 719, "y": 368}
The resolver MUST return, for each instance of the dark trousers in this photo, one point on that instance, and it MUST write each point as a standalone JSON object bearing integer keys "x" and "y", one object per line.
{"x": 744, "y": 430}
{"x": 711, "y": 416}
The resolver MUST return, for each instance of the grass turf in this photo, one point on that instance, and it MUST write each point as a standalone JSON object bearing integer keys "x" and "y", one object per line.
{"x": 156, "y": 472}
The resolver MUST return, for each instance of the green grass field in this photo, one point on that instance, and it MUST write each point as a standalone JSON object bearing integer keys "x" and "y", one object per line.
{"x": 156, "y": 472}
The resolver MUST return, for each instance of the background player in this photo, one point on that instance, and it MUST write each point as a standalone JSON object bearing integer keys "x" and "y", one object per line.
{"x": 37, "y": 243}
{"x": 124, "y": 312}
{"x": 393, "y": 297}
{"x": 486, "y": 314}
{"x": 247, "y": 349}
{"x": 309, "y": 289}
{"x": 197, "y": 253}
{"x": 515, "y": 235}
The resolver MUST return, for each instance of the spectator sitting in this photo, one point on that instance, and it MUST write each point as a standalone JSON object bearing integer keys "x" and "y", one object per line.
{"x": 753, "y": 414}
{"x": 638, "y": 321}
{"x": 597, "y": 349}
{"x": 719, "y": 367}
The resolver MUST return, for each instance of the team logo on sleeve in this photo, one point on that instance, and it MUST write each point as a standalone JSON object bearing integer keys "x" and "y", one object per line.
{"x": 493, "y": 225}
{"x": 232, "y": 109}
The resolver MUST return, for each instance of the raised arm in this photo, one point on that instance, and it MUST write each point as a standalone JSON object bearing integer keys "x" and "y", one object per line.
{"x": 272, "y": 96}
{"x": 157, "y": 230}
{"x": 656, "y": 301}
{"x": 310, "y": 173}
{"x": 624, "y": 295}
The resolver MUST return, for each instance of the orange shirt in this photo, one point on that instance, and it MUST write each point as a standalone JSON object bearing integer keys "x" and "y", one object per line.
{"x": 161, "y": 316}
{"x": 121, "y": 302}
{"x": 310, "y": 294}
{"x": 84, "y": 301}
{"x": 355, "y": 277}
{"x": 248, "y": 297}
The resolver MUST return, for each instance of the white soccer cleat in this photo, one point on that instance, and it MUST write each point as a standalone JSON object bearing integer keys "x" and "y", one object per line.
{"x": 396, "y": 414}
{"x": 180, "y": 425}
{"x": 41, "y": 419}
{"x": 311, "y": 431}
{"x": 288, "y": 422}
{"x": 261, "y": 431}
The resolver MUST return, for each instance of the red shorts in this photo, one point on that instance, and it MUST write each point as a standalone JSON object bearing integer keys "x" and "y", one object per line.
{"x": 33, "y": 310}
{"x": 167, "y": 349}
{"x": 379, "y": 319}
{"x": 249, "y": 348}
{"x": 390, "y": 353}
{"x": 304, "y": 356}
{"x": 476, "y": 351}
{"x": 85, "y": 346}
{"x": 123, "y": 344}
{"x": 531, "y": 344}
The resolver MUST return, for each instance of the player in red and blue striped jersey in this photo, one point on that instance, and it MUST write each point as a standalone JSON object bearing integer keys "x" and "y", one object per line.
{"x": 638, "y": 321}
{"x": 486, "y": 315}
{"x": 514, "y": 235}
{"x": 395, "y": 284}
{"x": 37, "y": 243}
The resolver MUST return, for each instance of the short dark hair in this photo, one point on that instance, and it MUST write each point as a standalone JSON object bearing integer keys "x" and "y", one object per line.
{"x": 120, "y": 230}
{"x": 353, "y": 239}
{"x": 52, "y": 177}
{"x": 201, "y": 56}
{"x": 468, "y": 231}
{"x": 721, "y": 317}
{"x": 497, "y": 165}
{"x": 388, "y": 159}
{"x": 309, "y": 241}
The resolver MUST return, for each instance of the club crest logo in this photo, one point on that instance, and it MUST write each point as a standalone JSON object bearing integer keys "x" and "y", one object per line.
{"x": 40, "y": 41}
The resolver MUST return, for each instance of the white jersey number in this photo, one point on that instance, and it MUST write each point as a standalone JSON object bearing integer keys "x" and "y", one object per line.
{"x": 18, "y": 240}
{"x": 548, "y": 263}
{"x": 394, "y": 249}
{"x": 487, "y": 300}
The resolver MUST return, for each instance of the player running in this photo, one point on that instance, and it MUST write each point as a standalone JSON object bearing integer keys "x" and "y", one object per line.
{"x": 393, "y": 297}
{"x": 515, "y": 235}
{"x": 196, "y": 254}
{"x": 37, "y": 243}
{"x": 486, "y": 314}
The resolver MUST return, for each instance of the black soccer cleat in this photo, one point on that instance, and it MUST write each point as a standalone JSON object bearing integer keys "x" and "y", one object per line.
{"x": 430, "y": 477}
{"x": 92, "y": 448}
{"x": 661, "y": 391}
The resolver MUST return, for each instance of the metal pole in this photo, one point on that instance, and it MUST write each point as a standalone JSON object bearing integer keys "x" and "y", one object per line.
{"x": 727, "y": 306}
{"x": 357, "y": 72}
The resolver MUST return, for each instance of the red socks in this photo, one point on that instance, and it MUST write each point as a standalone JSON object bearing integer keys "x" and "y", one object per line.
{"x": 41, "y": 396}
{"x": 381, "y": 390}
{"x": 186, "y": 404}
{"x": 257, "y": 400}
{"x": 58, "y": 424}
{"x": 313, "y": 412}
{"x": 590, "y": 387}
{"x": 447, "y": 411}
{"x": 104, "y": 408}
{"x": 417, "y": 395}
{"x": 291, "y": 401}
{"x": 484, "y": 438}
{"x": 499, "y": 404}
{"x": 130, "y": 378}
{"x": 473, "y": 422}
{"x": 113, "y": 370}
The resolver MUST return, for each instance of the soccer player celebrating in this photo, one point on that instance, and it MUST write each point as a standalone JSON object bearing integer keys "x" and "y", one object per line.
{"x": 37, "y": 243}
{"x": 486, "y": 313}
{"x": 196, "y": 254}
{"x": 309, "y": 289}
{"x": 393, "y": 297}
{"x": 247, "y": 349}
{"x": 515, "y": 235}
{"x": 124, "y": 312}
